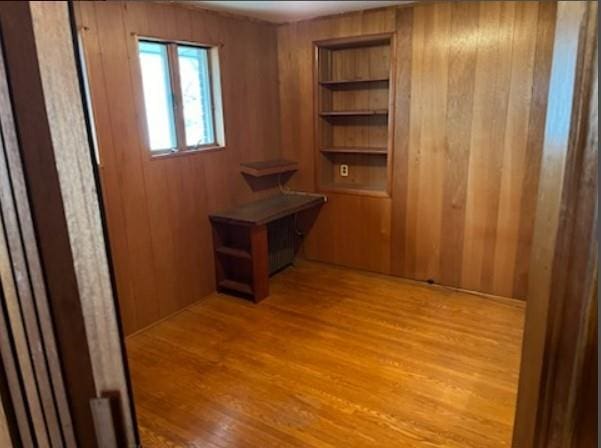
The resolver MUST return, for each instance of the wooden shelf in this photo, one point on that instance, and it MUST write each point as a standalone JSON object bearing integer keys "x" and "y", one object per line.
{"x": 236, "y": 286}
{"x": 354, "y": 113}
{"x": 232, "y": 252}
{"x": 352, "y": 82}
{"x": 268, "y": 167}
{"x": 357, "y": 150}
{"x": 355, "y": 42}
{"x": 368, "y": 190}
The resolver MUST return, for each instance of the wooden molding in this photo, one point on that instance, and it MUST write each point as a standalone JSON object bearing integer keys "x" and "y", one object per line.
{"x": 74, "y": 164}
{"x": 28, "y": 321}
{"x": 563, "y": 263}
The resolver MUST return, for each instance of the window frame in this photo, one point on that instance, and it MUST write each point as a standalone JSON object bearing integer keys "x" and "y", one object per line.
{"x": 178, "y": 106}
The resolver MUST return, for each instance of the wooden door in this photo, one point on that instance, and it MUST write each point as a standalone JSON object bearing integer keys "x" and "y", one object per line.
{"x": 61, "y": 351}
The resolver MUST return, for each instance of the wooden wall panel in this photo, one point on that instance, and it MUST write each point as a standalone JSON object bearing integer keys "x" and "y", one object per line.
{"x": 350, "y": 230}
{"x": 470, "y": 102}
{"x": 157, "y": 208}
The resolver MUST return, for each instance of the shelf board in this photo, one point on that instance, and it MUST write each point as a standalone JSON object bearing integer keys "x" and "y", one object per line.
{"x": 352, "y": 82}
{"x": 268, "y": 167}
{"x": 354, "y": 113}
{"x": 236, "y": 286}
{"x": 232, "y": 252}
{"x": 355, "y": 150}
{"x": 369, "y": 190}
{"x": 354, "y": 42}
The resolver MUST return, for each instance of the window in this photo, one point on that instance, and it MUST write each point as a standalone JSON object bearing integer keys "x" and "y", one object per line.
{"x": 158, "y": 97}
{"x": 196, "y": 95}
{"x": 182, "y": 98}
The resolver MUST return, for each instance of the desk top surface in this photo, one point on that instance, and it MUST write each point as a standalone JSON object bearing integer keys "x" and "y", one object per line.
{"x": 267, "y": 210}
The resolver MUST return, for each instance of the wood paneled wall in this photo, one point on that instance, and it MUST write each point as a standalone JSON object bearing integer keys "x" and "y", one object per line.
{"x": 470, "y": 103}
{"x": 157, "y": 209}
{"x": 471, "y": 91}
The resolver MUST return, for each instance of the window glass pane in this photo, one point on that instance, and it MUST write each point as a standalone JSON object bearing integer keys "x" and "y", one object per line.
{"x": 157, "y": 95}
{"x": 196, "y": 95}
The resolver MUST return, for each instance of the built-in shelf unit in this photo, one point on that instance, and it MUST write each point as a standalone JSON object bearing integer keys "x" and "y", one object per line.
{"x": 354, "y": 98}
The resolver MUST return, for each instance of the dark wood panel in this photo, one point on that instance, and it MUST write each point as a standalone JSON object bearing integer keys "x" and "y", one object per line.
{"x": 157, "y": 210}
{"x": 470, "y": 101}
{"x": 334, "y": 357}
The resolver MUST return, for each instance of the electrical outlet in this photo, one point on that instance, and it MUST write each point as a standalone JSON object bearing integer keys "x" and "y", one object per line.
{"x": 344, "y": 170}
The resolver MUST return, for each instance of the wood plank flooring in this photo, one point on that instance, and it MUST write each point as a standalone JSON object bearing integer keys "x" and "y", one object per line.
{"x": 333, "y": 358}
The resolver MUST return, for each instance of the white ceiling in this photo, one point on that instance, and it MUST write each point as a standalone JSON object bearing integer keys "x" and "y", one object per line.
{"x": 290, "y": 11}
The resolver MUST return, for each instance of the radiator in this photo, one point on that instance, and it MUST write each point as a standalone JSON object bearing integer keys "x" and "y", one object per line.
{"x": 280, "y": 237}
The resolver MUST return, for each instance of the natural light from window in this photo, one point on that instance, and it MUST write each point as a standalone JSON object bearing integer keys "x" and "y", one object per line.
{"x": 182, "y": 96}
{"x": 154, "y": 63}
{"x": 196, "y": 95}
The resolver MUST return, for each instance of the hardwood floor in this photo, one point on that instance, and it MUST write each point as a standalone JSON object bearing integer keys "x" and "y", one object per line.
{"x": 333, "y": 358}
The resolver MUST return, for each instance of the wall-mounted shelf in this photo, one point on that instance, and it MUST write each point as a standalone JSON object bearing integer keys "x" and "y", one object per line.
{"x": 352, "y": 82}
{"x": 354, "y": 113}
{"x": 268, "y": 167}
{"x": 357, "y": 150}
{"x": 354, "y": 97}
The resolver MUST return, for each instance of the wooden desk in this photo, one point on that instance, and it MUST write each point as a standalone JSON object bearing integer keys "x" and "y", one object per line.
{"x": 241, "y": 241}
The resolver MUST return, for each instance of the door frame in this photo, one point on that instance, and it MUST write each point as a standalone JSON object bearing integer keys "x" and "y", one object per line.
{"x": 62, "y": 191}
{"x": 562, "y": 290}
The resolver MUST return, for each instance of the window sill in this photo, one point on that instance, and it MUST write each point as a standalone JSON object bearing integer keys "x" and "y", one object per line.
{"x": 186, "y": 152}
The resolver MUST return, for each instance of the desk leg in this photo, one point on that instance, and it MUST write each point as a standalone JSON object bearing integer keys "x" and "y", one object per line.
{"x": 260, "y": 262}
{"x": 217, "y": 242}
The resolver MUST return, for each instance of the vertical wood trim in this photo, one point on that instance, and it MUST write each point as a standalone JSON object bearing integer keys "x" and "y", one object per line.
{"x": 23, "y": 367}
{"x": 106, "y": 435}
{"x": 33, "y": 295}
{"x": 557, "y": 145}
{"x": 390, "y": 124}
{"x": 74, "y": 165}
{"x": 46, "y": 205}
{"x": 574, "y": 276}
{"x": 400, "y": 160}
{"x": 536, "y": 127}
{"x": 5, "y": 437}
{"x": 11, "y": 369}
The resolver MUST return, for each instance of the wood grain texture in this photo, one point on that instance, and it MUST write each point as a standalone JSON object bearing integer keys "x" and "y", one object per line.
{"x": 5, "y": 435}
{"x": 334, "y": 357}
{"x": 470, "y": 102}
{"x": 157, "y": 209}
{"x": 81, "y": 206}
{"x": 354, "y": 115}
{"x": 28, "y": 275}
{"x": 351, "y": 230}
{"x": 564, "y": 263}
{"x": 46, "y": 204}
